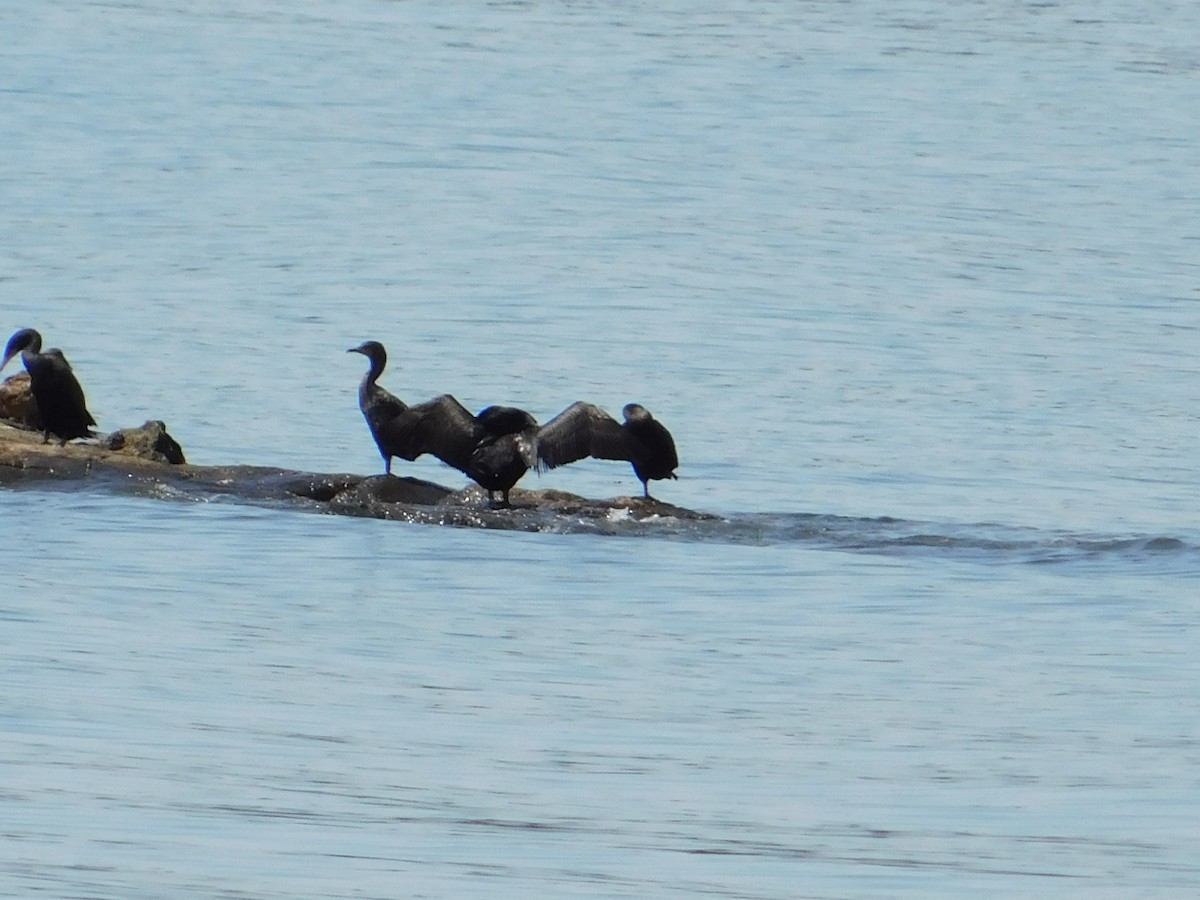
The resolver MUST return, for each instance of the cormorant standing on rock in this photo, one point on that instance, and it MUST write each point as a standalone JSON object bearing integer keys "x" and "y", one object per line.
{"x": 57, "y": 392}
{"x": 506, "y": 450}
{"x": 495, "y": 448}
{"x": 583, "y": 429}
{"x": 378, "y": 405}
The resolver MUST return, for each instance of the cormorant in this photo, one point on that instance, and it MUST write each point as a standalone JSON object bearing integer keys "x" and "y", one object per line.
{"x": 583, "y": 429}
{"x": 59, "y": 397}
{"x": 505, "y": 450}
{"x": 495, "y": 448}
{"x": 378, "y": 405}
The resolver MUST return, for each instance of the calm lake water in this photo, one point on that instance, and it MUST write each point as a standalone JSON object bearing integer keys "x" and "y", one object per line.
{"x": 916, "y": 287}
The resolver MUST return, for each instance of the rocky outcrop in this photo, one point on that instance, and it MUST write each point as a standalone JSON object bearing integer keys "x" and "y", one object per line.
{"x": 151, "y": 441}
{"x": 148, "y": 462}
{"x": 17, "y": 403}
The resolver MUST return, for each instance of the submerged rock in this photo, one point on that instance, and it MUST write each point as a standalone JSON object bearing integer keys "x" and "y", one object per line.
{"x": 322, "y": 488}
{"x": 393, "y": 489}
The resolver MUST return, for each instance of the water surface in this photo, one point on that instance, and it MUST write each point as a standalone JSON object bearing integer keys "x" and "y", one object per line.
{"x": 913, "y": 285}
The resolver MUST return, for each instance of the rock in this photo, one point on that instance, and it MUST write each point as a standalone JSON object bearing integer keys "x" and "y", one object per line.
{"x": 322, "y": 488}
{"x": 151, "y": 441}
{"x": 17, "y": 403}
{"x": 138, "y": 462}
{"x": 371, "y": 495}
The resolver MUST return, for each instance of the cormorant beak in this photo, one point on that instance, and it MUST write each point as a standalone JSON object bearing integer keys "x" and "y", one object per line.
{"x": 6, "y": 360}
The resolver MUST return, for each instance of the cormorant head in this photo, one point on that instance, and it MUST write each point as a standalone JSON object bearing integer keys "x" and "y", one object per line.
{"x": 25, "y": 339}
{"x": 635, "y": 412}
{"x": 372, "y": 350}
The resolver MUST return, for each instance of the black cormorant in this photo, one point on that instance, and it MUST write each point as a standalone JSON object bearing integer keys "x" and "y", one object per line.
{"x": 495, "y": 448}
{"x": 583, "y": 429}
{"x": 505, "y": 450}
{"x": 59, "y": 397}
{"x": 378, "y": 405}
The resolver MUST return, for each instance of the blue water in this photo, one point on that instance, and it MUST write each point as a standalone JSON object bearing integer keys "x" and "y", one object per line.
{"x": 913, "y": 284}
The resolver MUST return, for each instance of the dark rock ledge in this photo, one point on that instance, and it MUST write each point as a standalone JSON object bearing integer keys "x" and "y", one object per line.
{"x": 148, "y": 462}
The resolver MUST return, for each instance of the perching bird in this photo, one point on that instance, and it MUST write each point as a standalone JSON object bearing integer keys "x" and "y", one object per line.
{"x": 505, "y": 451}
{"x": 378, "y": 405}
{"x": 583, "y": 429}
{"x": 495, "y": 448}
{"x": 59, "y": 397}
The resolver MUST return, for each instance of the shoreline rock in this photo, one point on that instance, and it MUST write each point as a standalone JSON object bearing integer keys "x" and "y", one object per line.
{"x": 17, "y": 404}
{"x": 151, "y": 441}
{"x": 142, "y": 462}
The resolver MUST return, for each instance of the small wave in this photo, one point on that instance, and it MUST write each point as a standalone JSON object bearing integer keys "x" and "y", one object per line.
{"x": 982, "y": 542}
{"x": 554, "y": 512}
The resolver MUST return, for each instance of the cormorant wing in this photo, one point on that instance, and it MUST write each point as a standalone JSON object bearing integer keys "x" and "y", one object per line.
{"x": 582, "y": 429}
{"x": 384, "y": 405}
{"x": 441, "y": 426}
{"x": 497, "y": 422}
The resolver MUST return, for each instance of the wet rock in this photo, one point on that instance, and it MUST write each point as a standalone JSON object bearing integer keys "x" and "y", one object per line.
{"x": 322, "y": 488}
{"x": 151, "y": 441}
{"x": 17, "y": 403}
{"x": 636, "y": 508}
{"x": 370, "y": 495}
{"x": 136, "y": 461}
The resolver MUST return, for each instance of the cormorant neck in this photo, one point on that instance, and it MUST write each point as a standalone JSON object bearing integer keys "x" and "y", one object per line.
{"x": 378, "y": 362}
